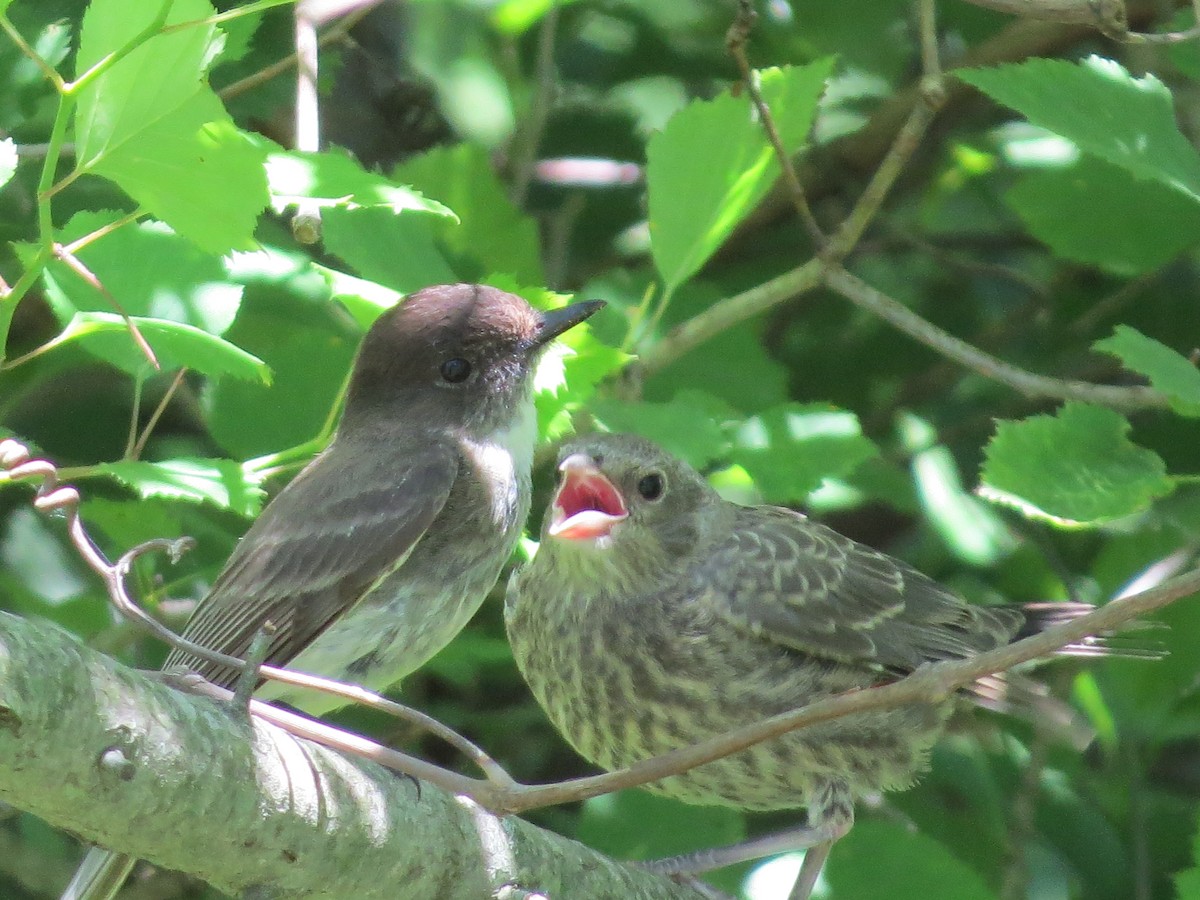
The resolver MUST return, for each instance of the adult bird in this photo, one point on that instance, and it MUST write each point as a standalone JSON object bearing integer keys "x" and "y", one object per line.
{"x": 657, "y": 615}
{"x": 382, "y": 548}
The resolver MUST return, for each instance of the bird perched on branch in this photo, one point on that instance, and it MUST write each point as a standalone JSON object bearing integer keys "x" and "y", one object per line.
{"x": 378, "y": 553}
{"x": 657, "y": 615}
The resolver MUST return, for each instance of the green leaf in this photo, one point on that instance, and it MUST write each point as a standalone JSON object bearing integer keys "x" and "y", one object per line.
{"x": 219, "y": 482}
{"x": 698, "y": 196}
{"x": 309, "y": 344}
{"x": 1130, "y": 122}
{"x": 147, "y": 268}
{"x": 1078, "y": 467}
{"x": 492, "y": 236}
{"x": 1168, "y": 371}
{"x": 790, "y": 449}
{"x": 8, "y": 160}
{"x": 364, "y": 300}
{"x": 164, "y": 137}
{"x": 333, "y": 178}
{"x": 175, "y": 345}
{"x": 396, "y": 251}
{"x": 1094, "y": 212}
{"x": 689, "y": 426}
{"x": 1187, "y": 882}
{"x": 912, "y": 865}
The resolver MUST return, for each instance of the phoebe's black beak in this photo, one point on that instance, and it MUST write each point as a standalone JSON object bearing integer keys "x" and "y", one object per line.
{"x": 556, "y": 321}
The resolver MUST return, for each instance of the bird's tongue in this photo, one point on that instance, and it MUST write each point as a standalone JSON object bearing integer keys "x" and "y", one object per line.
{"x": 587, "y": 506}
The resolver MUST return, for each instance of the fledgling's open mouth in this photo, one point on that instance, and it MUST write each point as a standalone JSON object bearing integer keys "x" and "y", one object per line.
{"x": 587, "y": 505}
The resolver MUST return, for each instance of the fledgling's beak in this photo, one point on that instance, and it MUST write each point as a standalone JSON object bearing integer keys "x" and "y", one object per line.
{"x": 556, "y": 321}
{"x": 587, "y": 505}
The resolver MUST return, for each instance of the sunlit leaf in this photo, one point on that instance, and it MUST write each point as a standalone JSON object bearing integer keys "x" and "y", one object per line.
{"x": 698, "y": 198}
{"x": 1168, "y": 371}
{"x": 167, "y": 140}
{"x": 175, "y": 345}
{"x": 220, "y": 482}
{"x": 1130, "y": 122}
{"x": 1077, "y": 467}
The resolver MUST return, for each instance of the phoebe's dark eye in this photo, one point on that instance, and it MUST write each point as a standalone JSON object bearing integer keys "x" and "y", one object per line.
{"x": 651, "y": 486}
{"x": 456, "y": 370}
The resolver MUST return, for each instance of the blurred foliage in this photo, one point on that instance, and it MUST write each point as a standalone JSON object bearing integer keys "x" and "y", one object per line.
{"x": 1051, "y": 218}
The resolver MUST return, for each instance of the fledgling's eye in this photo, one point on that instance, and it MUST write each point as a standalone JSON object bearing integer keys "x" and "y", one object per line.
{"x": 456, "y": 370}
{"x": 651, "y": 486}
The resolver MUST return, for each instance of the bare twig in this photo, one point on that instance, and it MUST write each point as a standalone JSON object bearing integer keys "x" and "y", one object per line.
{"x": 930, "y": 684}
{"x": 686, "y": 336}
{"x": 1106, "y": 15}
{"x": 265, "y": 74}
{"x": 735, "y": 44}
{"x": 139, "y": 445}
{"x": 866, "y": 297}
{"x": 76, "y": 265}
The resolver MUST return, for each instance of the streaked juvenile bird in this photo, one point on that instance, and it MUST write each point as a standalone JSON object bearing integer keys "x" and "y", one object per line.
{"x": 656, "y": 615}
{"x": 382, "y": 548}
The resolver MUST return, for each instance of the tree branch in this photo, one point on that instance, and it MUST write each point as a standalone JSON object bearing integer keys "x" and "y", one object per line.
{"x": 118, "y": 757}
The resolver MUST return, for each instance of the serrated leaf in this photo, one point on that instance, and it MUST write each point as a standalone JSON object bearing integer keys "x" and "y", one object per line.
{"x": 1169, "y": 372}
{"x": 219, "y": 482}
{"x": 1077, "y": 467}
{"x": 689, "y": 426}
{"x": 713, "y": 163}
{"x": 8, "y": 160}
{"x": 175, "y": 345}
{"x": 1097, "y": 213}
{"x": 149, "y": 269}
{"x": 790, "y": 449}
{"x": 333, "y": 178}
{"x": 1130, "y": 122}
{"x": 166, "y": 140}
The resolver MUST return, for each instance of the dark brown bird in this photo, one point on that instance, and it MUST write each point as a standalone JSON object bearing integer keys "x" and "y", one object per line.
{"x": 658, "y": 615}
{"x": 375, "y": 556}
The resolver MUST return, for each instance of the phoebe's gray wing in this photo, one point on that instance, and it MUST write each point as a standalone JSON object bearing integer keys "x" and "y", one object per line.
{"x": 314, "y": 552}
{"x": 798, "y": 583}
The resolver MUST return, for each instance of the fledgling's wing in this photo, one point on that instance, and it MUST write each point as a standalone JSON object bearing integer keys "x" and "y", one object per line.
{"x": 317, "y": 549}
{"x": 790, "y": 580}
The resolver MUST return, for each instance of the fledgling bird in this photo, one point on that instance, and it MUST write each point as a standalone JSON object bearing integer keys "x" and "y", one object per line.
{"x": 375, "y": 556}
{"x": 657, "y": 615}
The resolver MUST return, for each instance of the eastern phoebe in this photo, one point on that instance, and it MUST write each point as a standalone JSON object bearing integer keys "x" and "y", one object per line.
{"x": 382, "y": 548}
{"x": 657, "y": 615}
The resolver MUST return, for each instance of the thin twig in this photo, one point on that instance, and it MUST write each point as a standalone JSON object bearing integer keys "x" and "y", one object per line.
{"x": 932, "y": 683}
{"x": 735, "y": 43}
{"x": 875, "y": 301}
{"x": 140, "y": 445}
{"x": 76, "y": 265}
{"x": 721, "y": 316}
{"x": 275, "y": 69}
